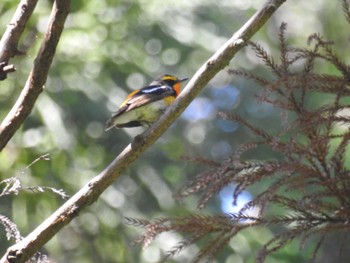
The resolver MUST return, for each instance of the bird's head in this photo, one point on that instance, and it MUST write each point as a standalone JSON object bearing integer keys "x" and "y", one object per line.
{"x": 171, "y": 81}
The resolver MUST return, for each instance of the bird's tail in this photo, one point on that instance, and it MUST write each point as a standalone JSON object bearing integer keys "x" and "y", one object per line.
{"x": 109, "y": 124}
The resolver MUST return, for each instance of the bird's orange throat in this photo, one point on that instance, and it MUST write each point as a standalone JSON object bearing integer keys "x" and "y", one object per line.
{"x": 177, "y": 88}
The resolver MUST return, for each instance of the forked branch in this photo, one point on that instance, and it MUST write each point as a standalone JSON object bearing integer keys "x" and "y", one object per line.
{"x": 37, "y": 77}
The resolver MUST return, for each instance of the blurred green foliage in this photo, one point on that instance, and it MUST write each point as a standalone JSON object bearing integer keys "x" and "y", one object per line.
{"x": 108, "y": 49}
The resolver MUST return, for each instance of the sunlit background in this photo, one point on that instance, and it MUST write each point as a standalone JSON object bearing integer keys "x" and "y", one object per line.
{"x": 108, "y": 49}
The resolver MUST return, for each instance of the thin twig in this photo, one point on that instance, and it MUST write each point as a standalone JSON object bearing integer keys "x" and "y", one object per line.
{"x": 93, "y": 189}
{"x": 10, "y": 39}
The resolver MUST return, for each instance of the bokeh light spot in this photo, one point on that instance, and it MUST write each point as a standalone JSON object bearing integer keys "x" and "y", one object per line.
{"x": 171, "y": 56}
{"x": 32, "y": 137}
{"x": 226, "y": 126}
{"x": 135, "y": 81}
{"x": 153, "y": 46}
{"x": 226, "y": 198}
{"x": 114, "y": 197}
{"x": 221, "y": 149}
{"x": 200, "y": 108}
{"x": 94, "y": 129}
{"x": 225, "y": 98}
{"x": 196, "y": 133}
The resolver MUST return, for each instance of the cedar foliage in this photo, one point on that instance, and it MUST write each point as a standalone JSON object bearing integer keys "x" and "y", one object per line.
{"x": 310, "y": 180}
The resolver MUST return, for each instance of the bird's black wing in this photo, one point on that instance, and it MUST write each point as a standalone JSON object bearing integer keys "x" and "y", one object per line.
{"x": 139, "y": 98}
{"x": 144, "y": 96}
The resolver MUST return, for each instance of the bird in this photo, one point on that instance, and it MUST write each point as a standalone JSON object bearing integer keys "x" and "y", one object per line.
{"x": 144, "y": 106}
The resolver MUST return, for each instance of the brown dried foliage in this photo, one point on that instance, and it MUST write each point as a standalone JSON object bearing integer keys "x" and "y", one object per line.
{"x": 309, "y": 180}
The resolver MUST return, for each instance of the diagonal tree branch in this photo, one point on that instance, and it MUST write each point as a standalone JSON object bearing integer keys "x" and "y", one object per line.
{"x": 93, "y": 189}
{"x": 9, "y": 40}
{"x": 37, "y": 77}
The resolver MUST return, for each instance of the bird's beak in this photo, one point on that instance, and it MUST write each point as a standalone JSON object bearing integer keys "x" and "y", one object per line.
{"x": 182, "y": 80}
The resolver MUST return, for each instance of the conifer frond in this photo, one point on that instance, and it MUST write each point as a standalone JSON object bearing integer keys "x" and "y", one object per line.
{"x": 267, "y": 59}
{"x": 200, "y": 160}
{"x": 237, "y": 118}
{"x": 283, "y": 47}
{"x": 249, "y": 75}
{"x": 307, "y": 178}
{"x": 346, "y": 10}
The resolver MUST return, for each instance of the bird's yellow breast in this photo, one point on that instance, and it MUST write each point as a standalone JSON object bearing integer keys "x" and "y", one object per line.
{"x": 169, "y": 100}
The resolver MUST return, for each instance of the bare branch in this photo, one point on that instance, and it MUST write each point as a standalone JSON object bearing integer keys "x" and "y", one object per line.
{"x": 37, "y": 77}
{"x": 9, "y": 41}
{"x": 93, "y": 189}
